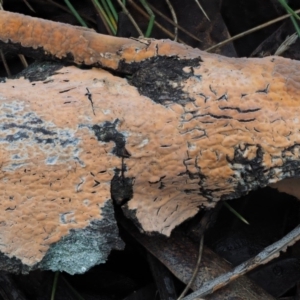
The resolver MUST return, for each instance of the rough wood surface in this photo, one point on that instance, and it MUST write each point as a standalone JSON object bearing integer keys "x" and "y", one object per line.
{"x": 188, "y": 129}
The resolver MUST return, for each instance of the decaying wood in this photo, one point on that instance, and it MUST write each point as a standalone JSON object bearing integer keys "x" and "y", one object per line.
{"x": 179, "y": 254}
{"x": 163, "y": 278}
{"x": 263, "y": 257}
{"x": 9, "y": 290}
{"x": 186, "y": 130}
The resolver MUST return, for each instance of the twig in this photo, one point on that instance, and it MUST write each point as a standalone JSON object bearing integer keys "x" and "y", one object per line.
{"x": 174, "y": 19}
{"x": 250, "y": 31}
{"x": 5, "y": 64}
{"x": 172, "y": 22}
{"x": 195, "y": 270}
{"x": 203, "y": 11}
{"x": 263, "y": 257}
{"x": 131, "y": 18}
{"x": 23, "y": 60}
{"x": 29, "y": 6}
{"x": 141, "y": 11}
{"x": 110, "y": 28}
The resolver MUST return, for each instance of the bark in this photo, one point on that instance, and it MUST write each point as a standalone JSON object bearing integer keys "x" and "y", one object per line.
{"x": 186, "y": 130}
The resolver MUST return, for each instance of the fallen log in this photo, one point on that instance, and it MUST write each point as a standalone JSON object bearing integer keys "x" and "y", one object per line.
{"x": 185, "y": 130}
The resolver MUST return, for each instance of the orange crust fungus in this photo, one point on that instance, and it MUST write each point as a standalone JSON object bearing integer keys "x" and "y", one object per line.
{"x": 187, "y": 130}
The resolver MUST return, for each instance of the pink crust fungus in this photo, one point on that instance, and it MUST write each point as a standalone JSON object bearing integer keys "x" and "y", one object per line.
{"x": 187, "y": 130}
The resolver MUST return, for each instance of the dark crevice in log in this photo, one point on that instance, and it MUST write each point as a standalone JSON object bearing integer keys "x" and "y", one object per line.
{"x": 45, "y": 68}
{"x": 37, "y": 71}
{"x": 121, "y": 187}
{"x": 131, "y": 214}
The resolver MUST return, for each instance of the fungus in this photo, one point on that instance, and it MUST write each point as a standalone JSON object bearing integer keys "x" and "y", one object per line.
{"x": 187, "y": 130}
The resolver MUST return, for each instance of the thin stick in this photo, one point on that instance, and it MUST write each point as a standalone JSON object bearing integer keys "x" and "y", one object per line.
{"x": 172, "y": 22}
{"x": 203, "y": 11}
{"x": 263, "y": 257}
{"x": 131, "y": 18}
{"x": 174, "y": 19}
{"x": 109, "y": 14}
{"x": 195, "y": 270}
{"x": 68, "y": 11}
{"x": 170, "y": 34}
{"x": 5, "y": 64}
{"x": 29, "y": 6}
{"x": 23, "y": 60}
{"x": 250, "y": 31}
{"x": 110, "y": 29}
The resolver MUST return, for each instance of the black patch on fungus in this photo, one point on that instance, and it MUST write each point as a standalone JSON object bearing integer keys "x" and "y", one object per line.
{"x": 160, "y": 78}
{"x": 252, "y": 174}
{"x": 121, "y": 187}
{"x": 253, "y": 169}
{"x": 34, "y": 128}
{"x": 161, "y": 185}
{"x": 44, "y": 141}
{"x": 18, "y": 136}
{"x": 203, "y": 191}
{"x": 107, "y": 132}
{"x": 40, "y": 71}
{"x": 28, "y": 128}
